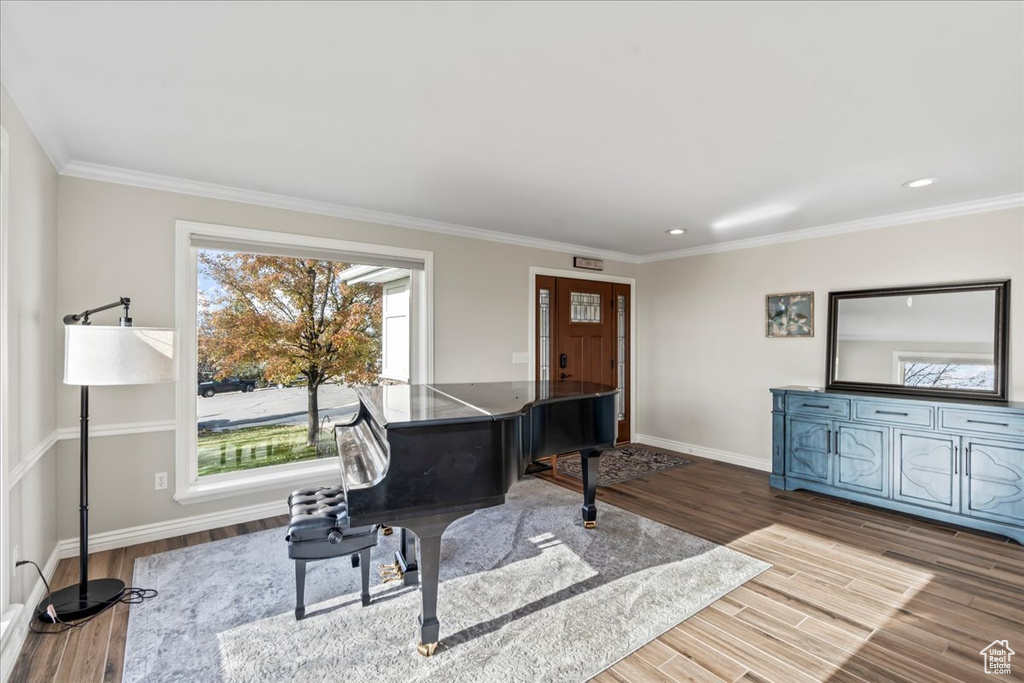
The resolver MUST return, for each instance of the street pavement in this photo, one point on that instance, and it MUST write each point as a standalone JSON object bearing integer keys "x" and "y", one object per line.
{"x": 272, "y": 406}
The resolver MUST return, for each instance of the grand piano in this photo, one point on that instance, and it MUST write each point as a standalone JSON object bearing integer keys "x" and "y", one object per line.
{"x": 418, "y": 457}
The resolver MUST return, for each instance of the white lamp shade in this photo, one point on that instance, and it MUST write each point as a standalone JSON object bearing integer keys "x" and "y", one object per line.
{"x": 97, "y": 355}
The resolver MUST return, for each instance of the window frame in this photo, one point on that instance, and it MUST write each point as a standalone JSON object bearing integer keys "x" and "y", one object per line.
{"x": 188, "y": 486}
{"x": 6, "y": 573}
{"x": 390, "y": 289}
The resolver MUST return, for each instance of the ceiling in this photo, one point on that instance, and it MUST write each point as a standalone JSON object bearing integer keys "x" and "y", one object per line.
{"x": 595, "y": 124}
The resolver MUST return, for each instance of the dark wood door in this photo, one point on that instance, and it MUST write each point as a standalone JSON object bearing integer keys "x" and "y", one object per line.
{"x": 583, "y": 335}
{"x": 585, "y": 331}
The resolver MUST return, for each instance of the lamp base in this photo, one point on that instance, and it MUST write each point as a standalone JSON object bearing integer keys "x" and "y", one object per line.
{"x": 72, "y": 606}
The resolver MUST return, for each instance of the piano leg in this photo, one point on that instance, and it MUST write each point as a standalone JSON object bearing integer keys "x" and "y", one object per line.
{"x": 589, "y": 460}
{"x": 429, "y": 530}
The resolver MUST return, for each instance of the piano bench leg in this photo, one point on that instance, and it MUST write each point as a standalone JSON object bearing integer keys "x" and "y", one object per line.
{"x": 364, "y": 572}
{"x": 300, "y": 589}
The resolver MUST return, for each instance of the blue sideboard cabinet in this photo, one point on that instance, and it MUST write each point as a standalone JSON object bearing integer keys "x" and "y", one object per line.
{"x": 957, "y": 462}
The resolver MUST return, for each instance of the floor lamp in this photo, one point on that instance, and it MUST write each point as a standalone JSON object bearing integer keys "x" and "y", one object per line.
{"x": 103, "y": 356}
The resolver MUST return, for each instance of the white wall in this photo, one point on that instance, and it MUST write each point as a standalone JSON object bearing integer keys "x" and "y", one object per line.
{"x": 32, "y": 378}
{"x": 705, "y": 365}
{"x": 117, "y": 240}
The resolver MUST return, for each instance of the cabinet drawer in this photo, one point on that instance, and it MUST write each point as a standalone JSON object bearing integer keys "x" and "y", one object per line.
{"x": 818, "y": 405}
{"x": 902, "y": 414}
{"x": 978, "y": 422}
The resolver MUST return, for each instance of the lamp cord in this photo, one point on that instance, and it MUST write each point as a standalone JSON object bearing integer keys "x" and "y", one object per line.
{"x": 131, "y": 596}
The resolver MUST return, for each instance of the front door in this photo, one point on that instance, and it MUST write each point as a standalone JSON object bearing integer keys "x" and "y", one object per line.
{"x": 583, "y": 335}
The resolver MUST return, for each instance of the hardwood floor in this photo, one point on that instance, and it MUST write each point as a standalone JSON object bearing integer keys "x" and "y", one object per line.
{"x": 854, "y": 594}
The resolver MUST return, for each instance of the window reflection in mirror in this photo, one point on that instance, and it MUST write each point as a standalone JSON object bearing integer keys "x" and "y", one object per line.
{"x": 940, "y": 340}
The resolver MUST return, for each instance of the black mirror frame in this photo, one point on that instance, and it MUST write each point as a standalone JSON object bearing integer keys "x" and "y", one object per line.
{"x": 1001, "y": 339}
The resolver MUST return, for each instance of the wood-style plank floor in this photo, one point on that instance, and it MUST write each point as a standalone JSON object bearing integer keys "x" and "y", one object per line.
{"x": 854, "y": 594}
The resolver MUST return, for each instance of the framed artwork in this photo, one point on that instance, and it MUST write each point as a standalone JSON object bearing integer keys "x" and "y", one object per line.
{"x": 789, "y": 315}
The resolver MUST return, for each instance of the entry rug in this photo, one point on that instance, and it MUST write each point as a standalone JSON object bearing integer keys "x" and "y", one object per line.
{"x": 527, "y": 594}
{"x": 623, "y": 464}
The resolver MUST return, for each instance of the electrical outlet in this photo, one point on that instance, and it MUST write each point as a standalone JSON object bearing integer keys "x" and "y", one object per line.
{"x": 161, "y": 481}
{"x": 520, "y": 357}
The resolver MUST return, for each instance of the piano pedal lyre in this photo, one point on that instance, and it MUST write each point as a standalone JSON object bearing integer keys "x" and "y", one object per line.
{"x": 427, "y": 649}
{"x": 389, "y": 573}
{"x": 386, "y": 530}
{"x": 589, "y": 525}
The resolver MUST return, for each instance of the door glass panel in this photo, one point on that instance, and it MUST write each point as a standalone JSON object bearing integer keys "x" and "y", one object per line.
{"x": 586, "y": 307}
{"x": 545, "y": 335}
{"x": 621, "y": 350}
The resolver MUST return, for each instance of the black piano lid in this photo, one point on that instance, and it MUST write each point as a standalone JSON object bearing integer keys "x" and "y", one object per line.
{"x": 404, "y": 404}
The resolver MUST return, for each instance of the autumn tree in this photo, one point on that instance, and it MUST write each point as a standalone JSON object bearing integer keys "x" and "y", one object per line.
{"x": 291, "y": 317}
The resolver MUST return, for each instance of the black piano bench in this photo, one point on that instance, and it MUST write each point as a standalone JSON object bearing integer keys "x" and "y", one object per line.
{"x": 319, "y": 530}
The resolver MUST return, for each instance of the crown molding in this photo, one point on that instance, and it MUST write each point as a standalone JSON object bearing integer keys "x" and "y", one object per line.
{"x": 1009, "y": 201}
{"x": 152, "y": 181}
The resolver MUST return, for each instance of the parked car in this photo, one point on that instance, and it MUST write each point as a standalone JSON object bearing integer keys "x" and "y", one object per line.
{"x": 227, "y": 384}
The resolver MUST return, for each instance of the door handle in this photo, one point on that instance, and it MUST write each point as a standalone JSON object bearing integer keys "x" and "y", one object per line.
{"x": 986, "y": 422}
{"x": 562, "y": 375}
{"x": 828, "y": 441}
{"x": 956, "y": 459}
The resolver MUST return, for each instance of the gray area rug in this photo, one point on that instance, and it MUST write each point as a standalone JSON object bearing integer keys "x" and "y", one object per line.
{"x": 526, "y": 595}
{"x": 623, "y": 464}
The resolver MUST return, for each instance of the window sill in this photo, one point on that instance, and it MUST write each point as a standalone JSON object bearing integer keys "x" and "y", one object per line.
{"x": 314, "y": 471}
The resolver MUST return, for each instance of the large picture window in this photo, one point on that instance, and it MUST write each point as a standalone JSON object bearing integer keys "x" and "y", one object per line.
{"x": 277, "y": 332}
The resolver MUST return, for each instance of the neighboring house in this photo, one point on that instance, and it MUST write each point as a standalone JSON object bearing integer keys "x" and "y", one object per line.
{"x": 395, "y": 316}
{"x": 997, "y": 657}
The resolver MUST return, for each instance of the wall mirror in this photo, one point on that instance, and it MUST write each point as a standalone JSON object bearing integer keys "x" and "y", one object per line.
{"x": 938, "y": 340}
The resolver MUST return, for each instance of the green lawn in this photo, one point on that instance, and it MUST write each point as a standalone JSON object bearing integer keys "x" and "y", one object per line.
{"x": 244, "y": 449}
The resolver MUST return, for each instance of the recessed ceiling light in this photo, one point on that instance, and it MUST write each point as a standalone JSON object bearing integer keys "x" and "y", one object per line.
{"x": 676, "y": 231}
{"x": 920, "y": 182}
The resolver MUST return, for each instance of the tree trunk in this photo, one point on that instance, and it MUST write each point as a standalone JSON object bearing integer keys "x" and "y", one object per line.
{"x": 312, "y": 413}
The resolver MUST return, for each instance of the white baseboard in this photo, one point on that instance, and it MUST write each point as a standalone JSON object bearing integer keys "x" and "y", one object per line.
{"x": 705, "y": 452}
{"x": 19, "y": 626}
{"x": 108, "y": 540}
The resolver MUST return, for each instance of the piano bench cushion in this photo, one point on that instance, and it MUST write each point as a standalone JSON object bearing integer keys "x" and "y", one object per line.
{"x": 319, "y": 527}
{"x": 316, "y": 513}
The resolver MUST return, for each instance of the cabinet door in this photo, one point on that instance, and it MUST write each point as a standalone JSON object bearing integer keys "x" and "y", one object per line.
{"x": 995, "y": 480}
{"x": 862, "y": 458}
{"x": 927, "y": 469}
{"x": 807, "y": 448}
